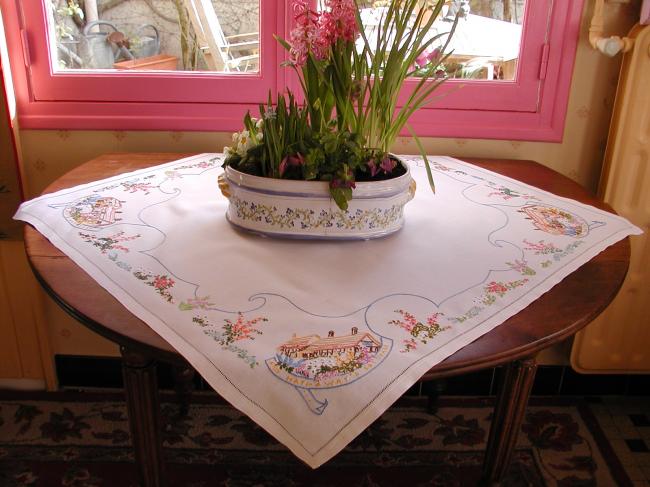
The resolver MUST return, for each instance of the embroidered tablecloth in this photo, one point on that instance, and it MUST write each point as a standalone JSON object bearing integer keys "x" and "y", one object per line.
{"x": 315, "y": 339}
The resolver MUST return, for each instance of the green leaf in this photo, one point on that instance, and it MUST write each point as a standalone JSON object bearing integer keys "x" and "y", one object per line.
{"x": 341, "y": 196}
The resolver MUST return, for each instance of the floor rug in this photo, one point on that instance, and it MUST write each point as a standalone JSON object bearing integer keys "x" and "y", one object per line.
{"x": 82, "y": 440}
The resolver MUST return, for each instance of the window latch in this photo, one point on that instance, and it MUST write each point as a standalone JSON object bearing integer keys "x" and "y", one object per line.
{"x": 24, "y": 40}
{"x": 543, "y": 65}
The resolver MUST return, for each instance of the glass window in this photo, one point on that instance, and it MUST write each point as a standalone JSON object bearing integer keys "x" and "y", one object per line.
{"x": 184, "y": 35}
{"x": 510, "y": 71}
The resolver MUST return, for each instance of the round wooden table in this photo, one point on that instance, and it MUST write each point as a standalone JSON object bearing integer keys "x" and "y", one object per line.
{"x": 558, "y": 314}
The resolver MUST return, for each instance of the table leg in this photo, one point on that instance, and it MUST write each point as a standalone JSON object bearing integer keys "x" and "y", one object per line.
{"x": 508, "y": 416}
{"x": 183, "y": 386}
{"x": 143, "y": 404}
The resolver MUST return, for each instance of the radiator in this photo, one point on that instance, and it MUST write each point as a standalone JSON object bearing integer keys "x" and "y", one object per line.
{"x": 618, "y": 341}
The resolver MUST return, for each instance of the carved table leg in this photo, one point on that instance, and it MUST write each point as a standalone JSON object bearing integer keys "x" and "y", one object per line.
{"x": 437, "y": 388}
{"x": 508, "y": 416}
{"x": 183, "y": 385}
{"x": 141, "y": 386}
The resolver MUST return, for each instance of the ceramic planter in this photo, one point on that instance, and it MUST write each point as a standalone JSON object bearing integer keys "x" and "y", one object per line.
{"x": 304, "y": 209}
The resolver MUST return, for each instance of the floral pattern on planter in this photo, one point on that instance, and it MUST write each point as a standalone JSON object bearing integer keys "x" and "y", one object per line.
{"x": 375, "y": 218}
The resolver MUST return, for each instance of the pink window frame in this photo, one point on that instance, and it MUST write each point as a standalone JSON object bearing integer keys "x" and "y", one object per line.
{"x": 532, "y": 107}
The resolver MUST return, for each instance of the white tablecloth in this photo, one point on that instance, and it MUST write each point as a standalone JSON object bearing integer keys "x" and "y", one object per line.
{"x": 314, "y": 340}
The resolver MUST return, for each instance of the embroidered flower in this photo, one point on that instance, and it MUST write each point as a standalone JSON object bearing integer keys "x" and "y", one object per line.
{"x": 497, "y": 288}
{"x": 162, "y": 282}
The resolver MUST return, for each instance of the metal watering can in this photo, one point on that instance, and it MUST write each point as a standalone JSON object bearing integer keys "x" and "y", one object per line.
{"x": 143, "y": 44}
{"x": 106, "y": 48}
{"x": 100, "y": 52}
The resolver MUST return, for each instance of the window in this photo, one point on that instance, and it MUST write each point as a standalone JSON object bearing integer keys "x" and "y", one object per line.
{"x": 504, "y": 91}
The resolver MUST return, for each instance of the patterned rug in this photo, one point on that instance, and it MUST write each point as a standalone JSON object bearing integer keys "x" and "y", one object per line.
{"x": 82, "y": 440}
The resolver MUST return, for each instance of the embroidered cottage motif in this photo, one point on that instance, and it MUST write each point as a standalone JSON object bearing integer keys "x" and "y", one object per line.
{"x": 93, "y": 212}
{"x": 556, "y": 221}
{"x": 315, "y": 362}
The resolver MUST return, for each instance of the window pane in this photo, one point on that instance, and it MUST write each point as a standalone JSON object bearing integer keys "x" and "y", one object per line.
{"x": 486, "y": 42}
{"x": 184, "y": 35}
{"x": 487, "y": 39}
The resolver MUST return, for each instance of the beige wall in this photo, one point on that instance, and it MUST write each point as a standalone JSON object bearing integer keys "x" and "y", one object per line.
{"x": 48, "y": 154}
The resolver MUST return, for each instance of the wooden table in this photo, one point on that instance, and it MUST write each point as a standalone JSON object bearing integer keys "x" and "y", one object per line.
{"x": 558, "y": 314}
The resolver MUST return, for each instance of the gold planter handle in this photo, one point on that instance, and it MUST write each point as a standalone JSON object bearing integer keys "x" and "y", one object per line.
{"x": 223, "y": 185}
{"x": 412, "y": 187}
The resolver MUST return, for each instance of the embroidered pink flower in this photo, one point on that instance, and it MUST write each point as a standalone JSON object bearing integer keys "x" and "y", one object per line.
{"x": 409, "y": 344}
{"x": 162, "y": 282}
{"x": 294, "y": 160}
{"x": 420, "y": 332}
{"x": 433, "y": 319}
{"x": 496, "y": 287}
{"x": 241, "y": 329}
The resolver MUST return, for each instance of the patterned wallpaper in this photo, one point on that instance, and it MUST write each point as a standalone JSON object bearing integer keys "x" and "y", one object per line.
{"x": 9, "y": 189}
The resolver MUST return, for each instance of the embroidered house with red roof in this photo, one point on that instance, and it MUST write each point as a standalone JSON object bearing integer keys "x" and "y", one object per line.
{"x": 313, "y": 346}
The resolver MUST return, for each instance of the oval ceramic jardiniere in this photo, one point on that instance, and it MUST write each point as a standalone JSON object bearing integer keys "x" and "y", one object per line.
{"x": 305, "y": 209}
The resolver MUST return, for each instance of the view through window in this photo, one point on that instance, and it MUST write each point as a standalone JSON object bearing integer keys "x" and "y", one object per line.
{"x": 485, "y": 44}
{"x": 183, "y": 35}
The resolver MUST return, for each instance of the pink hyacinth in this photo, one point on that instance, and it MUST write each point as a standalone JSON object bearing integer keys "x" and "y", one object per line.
{"x": 338, "y": 22}
{"x": 305, "y": 37}
{"x": 426, "y": 57}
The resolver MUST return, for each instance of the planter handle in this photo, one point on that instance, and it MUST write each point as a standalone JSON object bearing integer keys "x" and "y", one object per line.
{"x": 223, "y": 185}
{"x": 412, "y": 187}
